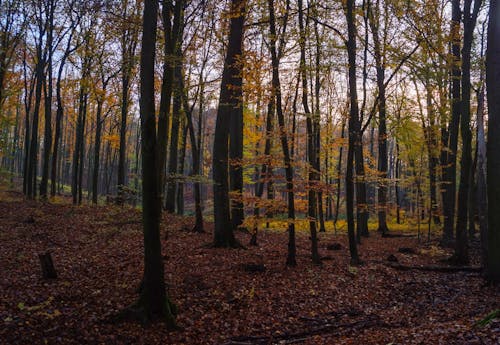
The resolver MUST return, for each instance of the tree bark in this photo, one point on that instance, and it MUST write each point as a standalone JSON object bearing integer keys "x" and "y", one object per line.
{"x": 311, "y": 143}
{"x": 493, "y": 146}
{"x": 177, "y": 32}
{"x": 153, "y": 301}
{"x": 451, "y": 140}
{"x": 230, "y": 105}
{"x": 291, "y": 254}
{"x": 469, "y": 20}
{"x": 354, "y": 130}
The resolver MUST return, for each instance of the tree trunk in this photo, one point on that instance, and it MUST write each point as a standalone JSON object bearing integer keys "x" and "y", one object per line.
{"x": 311, "y": 144}
{"x": 153, "y": 301}
{"x": 230, "y": 105}
{"x": 450, "y": 178}
{"x": 195, "y": 153}
{"x": 47, "y": 138}
{"x": 33, "y": 151}
{"x": 177, "y": 32}
{"x": 379, "y": 48}
{"x": 291, "y": 254}
{"x": 166, "y": 95}
{"x": 481, "y": 191}
{"x": 97, "y": 151}
{"x": 354, "y": 131}
{"x": 469, "y": 19}
{"x": 493, "y": 146}
{"x": 180, "y": 185}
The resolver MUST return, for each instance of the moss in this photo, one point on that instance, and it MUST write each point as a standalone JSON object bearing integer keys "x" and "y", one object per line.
{"x": 490, "y": 317}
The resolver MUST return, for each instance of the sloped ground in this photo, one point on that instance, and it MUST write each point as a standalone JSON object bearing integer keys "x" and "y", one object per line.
{"x": 98, "y": 251}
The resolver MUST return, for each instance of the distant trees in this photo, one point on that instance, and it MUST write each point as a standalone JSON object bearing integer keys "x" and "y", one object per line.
{"x": 129, "y": 31}
{"x": 404, "y": 97}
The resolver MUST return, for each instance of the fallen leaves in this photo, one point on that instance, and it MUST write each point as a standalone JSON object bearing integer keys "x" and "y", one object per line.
{"x": 98, "y": 254}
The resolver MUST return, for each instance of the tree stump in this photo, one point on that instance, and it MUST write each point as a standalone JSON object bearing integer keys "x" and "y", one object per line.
{"x": 334, "y": 246}
{"x": 254, "y": 267}
{"x": 48, "y": 269}
{"x": 406, "y": 250}
{"x": 392, "y": 258}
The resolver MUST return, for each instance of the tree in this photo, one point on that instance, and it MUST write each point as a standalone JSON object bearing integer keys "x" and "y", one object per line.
{"x": 40, "y": 62}
{"x": 128, "y": 45}
{"x": 50, "y": 7}
{"x": 166, "y": 93}
{"x": 60, "y": 107}
{"x": 230, "y": 106}
{"x": 353, "y": 128}
{"x": 276, "y": 97}
{"x": 176, "y": 63}
{"x": 83, "y": 96}
{"x": 312, "y": 152}
{"x": 380, "y": 62}
{"x": 493, "y": 146}
{"x": 469, "y": 19}
{"x": 153, "y": 302}
{"x": 450, "y": 137}
{"x": 12, "y": 27}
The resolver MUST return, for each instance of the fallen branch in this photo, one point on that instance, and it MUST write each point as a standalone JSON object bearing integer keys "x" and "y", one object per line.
{"x": 125, "y": 222}
{"x": 327, "y": 327}
{"x": 396, "y": 235}
{"x": 435, "y": 268}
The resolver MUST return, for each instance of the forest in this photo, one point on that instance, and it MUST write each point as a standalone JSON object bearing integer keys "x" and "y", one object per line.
{"x": 249, "y": 172}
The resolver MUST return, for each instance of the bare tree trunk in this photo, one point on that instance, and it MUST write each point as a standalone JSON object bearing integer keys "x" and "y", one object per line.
{"x": 311, "y": 144}
{"x": 469, "y": 18}
{"x": 177, "y": 32}
{"x": 450, "y": 141}
{"x": 153, "y": 301}
{"x": 493, "y": 152}
{"x": 230, "y": 104}
{"x": 354, "y": 131}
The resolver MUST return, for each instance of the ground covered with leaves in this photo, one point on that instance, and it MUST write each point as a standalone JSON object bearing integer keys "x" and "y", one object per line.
{"x": 98, "y": 255}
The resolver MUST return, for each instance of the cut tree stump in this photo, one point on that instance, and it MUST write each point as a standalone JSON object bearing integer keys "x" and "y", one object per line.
{"x": 29, "y": 220}
{"x": 397, "y": 235}
{"x": 48, "y": 269}
{"x": 334, "y": 246}
{"x": 407, "y": 250}
{"x": 254, "y": 267}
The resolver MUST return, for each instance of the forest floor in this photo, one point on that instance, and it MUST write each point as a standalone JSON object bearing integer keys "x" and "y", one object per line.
{"x": 98, "y": 254}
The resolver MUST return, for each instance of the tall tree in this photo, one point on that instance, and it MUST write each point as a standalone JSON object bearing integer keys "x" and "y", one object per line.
{"x": 153, "y": 302}
{"x": 353, "y": 128}
{"x": 230, "y": 105}
{"x": 470, "y": 14}
{"x": 450, "y": 139}
{"x": 83, "y": 95}
{"x": 276, "y": 97}
{"x": 166, "y": 93}
{"x": 380, "y": 65}
{"x": 311, "y": 141}
{"x": 173, "y": 157}
{"x": 59, "y": 100}
{"x": 128, "y": 45}
{"x": 41, "y": 26}
{"x": 493, "y": 148}
{"x": 50, "y": 7}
